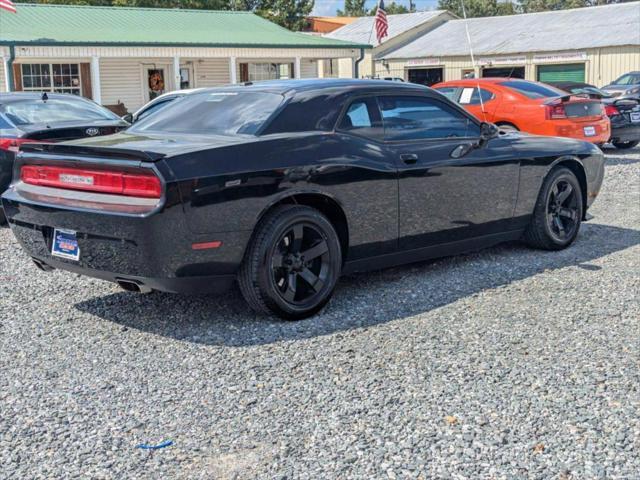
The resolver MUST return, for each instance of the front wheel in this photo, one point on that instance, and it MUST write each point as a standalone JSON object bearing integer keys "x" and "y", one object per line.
{"x": 292, "y": 264}
{"x": 558, "y": 212}
{"x": 625, "y": 145}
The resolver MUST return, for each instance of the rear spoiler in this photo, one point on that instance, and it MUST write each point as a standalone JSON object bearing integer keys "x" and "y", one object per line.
{"x": 567, "y": 97}
{"x": 99, "y": 152}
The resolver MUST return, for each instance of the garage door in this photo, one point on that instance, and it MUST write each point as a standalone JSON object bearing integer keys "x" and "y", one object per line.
{"x": 573, "y": 72}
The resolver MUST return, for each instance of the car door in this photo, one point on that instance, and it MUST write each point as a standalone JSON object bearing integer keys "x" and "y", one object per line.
{"x": 449, "y": 190}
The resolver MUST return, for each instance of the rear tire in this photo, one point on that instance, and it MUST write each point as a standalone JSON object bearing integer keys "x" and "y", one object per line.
{"x": 625, "y": 145}
{"x": 558, "y": 212}
{"x": 3, "y": 219}
{"x": 292, "y": 264}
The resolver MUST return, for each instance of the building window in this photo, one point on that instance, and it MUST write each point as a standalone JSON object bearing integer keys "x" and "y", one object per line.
{"x": 468, "y": 73}
{"x": 51, "y": 77}
{"x": 254, "y": 72}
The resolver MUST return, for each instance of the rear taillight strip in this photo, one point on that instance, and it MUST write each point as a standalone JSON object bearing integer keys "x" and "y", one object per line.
{"x": 125, "y": 183}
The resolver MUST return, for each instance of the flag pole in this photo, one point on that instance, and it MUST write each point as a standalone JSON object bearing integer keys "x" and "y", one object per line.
{"x": 473, "y": 60}
{"x": 373, "y": 23}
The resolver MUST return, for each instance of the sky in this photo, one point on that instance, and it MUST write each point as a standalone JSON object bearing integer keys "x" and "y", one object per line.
{"x": 329, "y": 7}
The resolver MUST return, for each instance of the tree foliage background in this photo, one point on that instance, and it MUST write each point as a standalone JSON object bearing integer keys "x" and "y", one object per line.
{"x": 490, "y": 8}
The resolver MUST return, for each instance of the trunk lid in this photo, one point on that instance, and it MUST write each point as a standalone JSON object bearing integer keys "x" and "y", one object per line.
{"x": 70, "y": 130}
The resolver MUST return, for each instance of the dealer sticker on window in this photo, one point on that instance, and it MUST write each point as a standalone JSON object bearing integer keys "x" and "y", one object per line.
{"x": 589, "y": 131}
{"x": 65, "y": 245}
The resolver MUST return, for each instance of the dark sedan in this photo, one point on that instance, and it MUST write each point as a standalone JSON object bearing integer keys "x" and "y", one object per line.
{"x": 624, "y": 113}
{"x": 285, "y": 185}
{"x": 34, "y": 117}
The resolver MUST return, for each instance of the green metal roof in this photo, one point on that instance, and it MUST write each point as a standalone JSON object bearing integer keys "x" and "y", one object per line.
{"x": 84, "y": 25}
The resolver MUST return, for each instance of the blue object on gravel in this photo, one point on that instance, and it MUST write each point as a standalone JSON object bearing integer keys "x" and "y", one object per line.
{"x": 144, "y": 446}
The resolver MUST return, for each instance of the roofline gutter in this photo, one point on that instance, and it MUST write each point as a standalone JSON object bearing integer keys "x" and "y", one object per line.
{"x": 180, "y": 45}
{"x": 356, "y": 66}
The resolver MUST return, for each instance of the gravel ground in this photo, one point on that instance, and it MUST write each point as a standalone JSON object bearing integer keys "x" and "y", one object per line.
{"x": 508, "y": 363}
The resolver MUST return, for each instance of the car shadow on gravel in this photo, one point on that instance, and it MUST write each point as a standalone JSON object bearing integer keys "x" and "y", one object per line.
{"x": 360, "y": 301}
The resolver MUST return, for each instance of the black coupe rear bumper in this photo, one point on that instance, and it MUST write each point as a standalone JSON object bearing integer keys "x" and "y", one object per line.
{"x": 154, "y": 252}
{"x": 625, "y": 132}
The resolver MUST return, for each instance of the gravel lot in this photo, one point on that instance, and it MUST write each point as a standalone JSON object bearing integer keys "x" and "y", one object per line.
{"x": 508, "y": 363}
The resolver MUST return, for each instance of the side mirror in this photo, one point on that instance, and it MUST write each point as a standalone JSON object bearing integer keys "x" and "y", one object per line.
{"x": 128, "y": 117}
{"x": 488, "y": 131}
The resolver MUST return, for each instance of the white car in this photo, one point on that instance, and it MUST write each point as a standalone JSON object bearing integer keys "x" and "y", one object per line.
{"x": 158, "y": 104}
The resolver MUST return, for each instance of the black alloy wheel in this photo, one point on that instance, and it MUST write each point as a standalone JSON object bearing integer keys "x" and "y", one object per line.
{"x": 293, "y": 263}
{"x": 300, "y": 263}
{"x": 558, "y": 212}
{"x": 562, "y": 210}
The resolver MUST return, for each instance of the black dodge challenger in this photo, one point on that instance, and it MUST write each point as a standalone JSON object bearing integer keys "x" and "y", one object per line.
{"x": 282, "y": 186}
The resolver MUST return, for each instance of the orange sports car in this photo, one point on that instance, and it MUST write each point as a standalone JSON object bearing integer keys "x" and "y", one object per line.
{"x": 534, "y": 107}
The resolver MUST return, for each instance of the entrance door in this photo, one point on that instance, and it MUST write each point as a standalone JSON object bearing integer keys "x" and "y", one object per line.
{"x": 155, "y": 81}
{"x": 572, "y": 72}
{"x": 425, "y": 76}
{"x": 511, "y": 72}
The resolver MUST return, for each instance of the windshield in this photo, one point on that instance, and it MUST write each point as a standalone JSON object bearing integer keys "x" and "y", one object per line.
{"x": 532, "y": 89}
{"x": 218, "y": 113}
{"x": 628, "y": 79}
{"x": 25, "y": 112}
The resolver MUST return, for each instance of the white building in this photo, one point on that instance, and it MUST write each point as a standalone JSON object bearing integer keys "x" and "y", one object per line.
{"x": 122, "y": 57}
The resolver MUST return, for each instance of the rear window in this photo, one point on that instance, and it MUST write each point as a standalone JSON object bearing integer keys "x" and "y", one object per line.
{"x": 219, "y": 113}
{"x": 25, "y": 112}
{"x": 532, "y": 89}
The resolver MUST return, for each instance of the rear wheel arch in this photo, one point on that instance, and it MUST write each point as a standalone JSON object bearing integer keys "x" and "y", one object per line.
{"x": 507, "y": 124}
{"x": 325, "y": 204}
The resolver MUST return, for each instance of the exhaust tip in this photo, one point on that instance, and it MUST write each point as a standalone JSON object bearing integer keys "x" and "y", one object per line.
{"x": 42, "y": 266}
{"x": 131, "y": 286}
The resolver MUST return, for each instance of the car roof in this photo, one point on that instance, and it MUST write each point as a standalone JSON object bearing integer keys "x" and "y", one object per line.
{"x": 310, "y": 85}
{"x": 16, "y": 96}
{"x": 484, "y": 80}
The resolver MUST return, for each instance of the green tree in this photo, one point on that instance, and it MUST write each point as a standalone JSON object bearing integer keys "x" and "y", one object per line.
{"x": 291, "y": 14}
{"x": 392, "y": 8}
{"x": 478, "y": 8}
{"x": 353, "y": 8}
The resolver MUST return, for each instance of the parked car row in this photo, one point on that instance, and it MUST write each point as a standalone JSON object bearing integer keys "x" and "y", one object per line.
{"x": 283, "y": 186}
{"x": 571, "y": 110}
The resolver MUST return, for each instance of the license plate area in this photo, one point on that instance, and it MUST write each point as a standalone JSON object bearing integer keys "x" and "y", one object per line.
{"x": 589, "y": 131}
{"x": 635, "y": 116}
{"x": 64, "y": 244}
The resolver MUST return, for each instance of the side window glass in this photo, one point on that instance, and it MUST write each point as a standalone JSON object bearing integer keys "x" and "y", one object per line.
{"x": 360, "y": 119}
{"x": 470, "y": 96}
{"x": 449, "y": 92}
{"x": 414, "y": 118}
{"x": 357, "y": 116}
{"x": 154, "y": 108}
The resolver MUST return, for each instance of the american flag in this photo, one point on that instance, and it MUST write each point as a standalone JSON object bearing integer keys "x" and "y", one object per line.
{"x": 381, "y": 23}
{"x": 8, "y": 5}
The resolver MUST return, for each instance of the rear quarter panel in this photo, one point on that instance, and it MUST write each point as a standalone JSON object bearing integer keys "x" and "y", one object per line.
{"x": 229, "y": 189}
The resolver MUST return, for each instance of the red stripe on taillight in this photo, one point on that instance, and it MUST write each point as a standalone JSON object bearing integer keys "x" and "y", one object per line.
{"x": 100, "y": 181}
{"x": 13, "y": 144}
